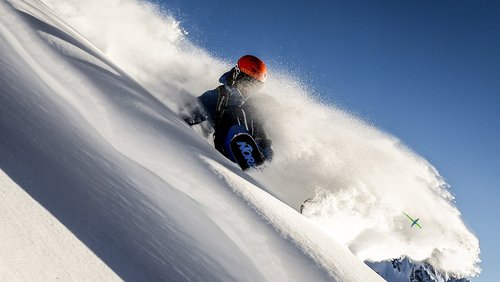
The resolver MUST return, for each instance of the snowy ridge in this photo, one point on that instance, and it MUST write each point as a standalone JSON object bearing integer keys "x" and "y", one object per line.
{"x": 115, "y": 154}
{"x": 130, "y": 180}
{"x": 407, "y": 270}
{"x": 29, "y": 229}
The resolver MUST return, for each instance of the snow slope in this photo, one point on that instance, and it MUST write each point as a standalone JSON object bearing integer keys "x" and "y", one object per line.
{"x": 362, "y": 179}
{"x": 114, "y": 156}
{"x": 32, "y": 237}
{"x": 116, "y": 167}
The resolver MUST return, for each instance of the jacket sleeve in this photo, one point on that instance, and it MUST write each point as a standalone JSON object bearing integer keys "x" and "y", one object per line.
{"x": 265, "y": 146}
{"x": 202, "y": 108}
{"x": 262, "y": 140}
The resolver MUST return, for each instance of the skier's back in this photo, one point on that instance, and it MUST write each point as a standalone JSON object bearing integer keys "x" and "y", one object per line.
{"x": 231, "y": 105}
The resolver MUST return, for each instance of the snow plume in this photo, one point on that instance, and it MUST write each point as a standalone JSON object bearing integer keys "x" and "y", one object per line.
{"x": 147, "y": 43}
{"x": 359, "y": 179}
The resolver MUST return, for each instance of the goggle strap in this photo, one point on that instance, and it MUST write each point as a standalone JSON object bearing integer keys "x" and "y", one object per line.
{"x": 236, "y": 72}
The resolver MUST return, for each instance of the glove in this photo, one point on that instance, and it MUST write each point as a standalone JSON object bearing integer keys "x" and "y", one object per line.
{"x": 265, "y": 148}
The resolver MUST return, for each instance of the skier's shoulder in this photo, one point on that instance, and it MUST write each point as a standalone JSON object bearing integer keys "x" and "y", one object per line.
{"x": 261, "y": 100}
{"x": 209, "y": 99}
{"x": 208, "y": 95}
{"x": 225, "y": 78}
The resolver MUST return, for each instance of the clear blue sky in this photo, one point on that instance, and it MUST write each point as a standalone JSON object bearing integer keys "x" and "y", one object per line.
{"x": 426, "y": 71}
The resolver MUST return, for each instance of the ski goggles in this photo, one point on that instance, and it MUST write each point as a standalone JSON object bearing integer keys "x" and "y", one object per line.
{"x": 246, "y": 80}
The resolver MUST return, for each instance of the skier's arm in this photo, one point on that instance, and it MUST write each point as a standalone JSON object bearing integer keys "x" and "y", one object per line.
{"x": 264, "y": 143}
{"x": 196, "y": 113}
{"x": 265, "y": 146}
{"x": 202, "y": 109}
{"x": 260, "y": 136}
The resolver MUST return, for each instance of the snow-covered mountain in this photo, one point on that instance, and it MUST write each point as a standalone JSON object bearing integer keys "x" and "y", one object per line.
{"x": 99, "y": 173}
{"x": 404, "y": 269}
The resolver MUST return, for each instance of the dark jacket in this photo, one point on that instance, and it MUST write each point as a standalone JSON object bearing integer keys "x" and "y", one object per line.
{"x": 224, "y": 107}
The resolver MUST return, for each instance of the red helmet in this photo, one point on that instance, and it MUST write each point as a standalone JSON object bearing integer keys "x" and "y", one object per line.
{"x": 253, "y": 67}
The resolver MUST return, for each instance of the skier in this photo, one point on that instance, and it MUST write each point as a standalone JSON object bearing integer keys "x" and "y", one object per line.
{"x": 230, "y": 108}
